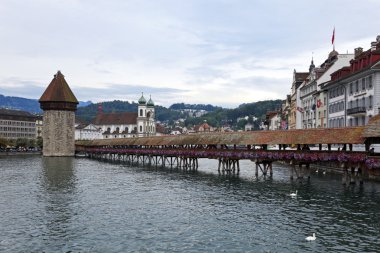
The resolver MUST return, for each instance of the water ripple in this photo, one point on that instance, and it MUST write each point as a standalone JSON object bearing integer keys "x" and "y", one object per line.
{"x": 80, "y": 205}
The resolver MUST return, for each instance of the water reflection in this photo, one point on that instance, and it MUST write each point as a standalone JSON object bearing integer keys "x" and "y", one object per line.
{"x": 58, "y": 173}
{"x": 59, "y": 183}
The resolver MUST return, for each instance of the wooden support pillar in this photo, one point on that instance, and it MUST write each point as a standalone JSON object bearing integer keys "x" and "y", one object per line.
{"x": 329, "y": 147}
{"x": 308, "y": 170}
{"x": 350, "y": 146}
{"x": 320, "y": 147}
{"x": 345, "y": 174}
{"x": 270, "y": 169}
{"x": 360, "y": 175}
{"x": 352, "y": 176}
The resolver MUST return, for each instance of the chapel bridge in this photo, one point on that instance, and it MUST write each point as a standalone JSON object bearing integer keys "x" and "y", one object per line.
{"x": 183, "y": 151}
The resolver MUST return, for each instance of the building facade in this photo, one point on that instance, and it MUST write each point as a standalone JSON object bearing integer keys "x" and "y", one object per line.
{"x": 298, "y": 79}
{"x": 354, "y": 91}
{"x": 16, "y": 124}
{"x": 87, "y": 132}
{"x": 313, "y": 97}
{"x": 127, "y": 124}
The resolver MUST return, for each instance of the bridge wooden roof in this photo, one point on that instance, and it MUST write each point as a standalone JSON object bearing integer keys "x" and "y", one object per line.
{"x": 350, "y": 135}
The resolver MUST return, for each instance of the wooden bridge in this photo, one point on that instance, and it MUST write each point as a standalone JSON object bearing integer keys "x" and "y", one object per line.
{"x": 299, "y": 148}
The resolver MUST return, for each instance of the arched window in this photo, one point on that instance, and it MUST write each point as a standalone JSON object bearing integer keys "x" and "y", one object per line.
{"x": 117, "y": 129}
{"x": 140, "y": 128}
{"x": 126, "y": 130}
{"x": 141, "y": 113}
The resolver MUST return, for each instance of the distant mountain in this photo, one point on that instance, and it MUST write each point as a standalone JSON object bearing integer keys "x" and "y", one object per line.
{"x": 216, "y": 116}
{"x": 26, "y": 104}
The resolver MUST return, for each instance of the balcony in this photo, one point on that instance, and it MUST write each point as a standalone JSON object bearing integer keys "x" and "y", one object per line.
{"x": 357, "y": 110}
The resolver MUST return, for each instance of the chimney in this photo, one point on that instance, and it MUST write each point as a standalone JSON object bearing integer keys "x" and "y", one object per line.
{"x": 373, "y": 45}
{"x": 358, "y": 51}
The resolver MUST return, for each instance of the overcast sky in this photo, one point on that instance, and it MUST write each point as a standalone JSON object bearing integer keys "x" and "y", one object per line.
{"x": 222, "y": 52}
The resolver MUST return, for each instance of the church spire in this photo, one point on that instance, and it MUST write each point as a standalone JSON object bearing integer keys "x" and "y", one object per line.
{"x": 312, "y": 66}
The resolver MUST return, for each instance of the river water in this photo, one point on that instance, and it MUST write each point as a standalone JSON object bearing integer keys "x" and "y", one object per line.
{"x": 82, "y": 205}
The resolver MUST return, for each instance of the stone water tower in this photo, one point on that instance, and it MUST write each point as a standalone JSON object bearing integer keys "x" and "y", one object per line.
{"x": 59, "y": 105}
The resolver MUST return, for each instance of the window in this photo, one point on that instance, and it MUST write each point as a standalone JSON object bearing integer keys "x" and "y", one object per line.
{"x": 370, "y": 102}
{"x": 357, "y": 86}
{"x": 141, "y": 113}
{"x": 363, "y": 101}
{"x": 140, "y": 128}
{"x": 363, "y": 84}
{"x": 370, "y": 82}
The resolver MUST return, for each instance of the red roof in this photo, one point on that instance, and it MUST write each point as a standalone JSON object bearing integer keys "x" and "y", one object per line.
{"x": 58, "y": 91}
{"x": 116, "y": 118}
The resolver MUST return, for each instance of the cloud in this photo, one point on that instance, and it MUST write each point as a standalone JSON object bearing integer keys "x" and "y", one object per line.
{"x": 223, "y": 52}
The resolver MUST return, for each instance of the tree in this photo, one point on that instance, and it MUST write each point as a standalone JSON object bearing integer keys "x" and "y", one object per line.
{"x": 4, "y": 142}
{"x": 241, "y": 124}
{"x": 22, "y": 142}
{"x": 32, "y": 143}
{"x": 39, "y": 142}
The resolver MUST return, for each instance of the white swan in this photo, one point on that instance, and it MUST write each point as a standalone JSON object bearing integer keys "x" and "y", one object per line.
{"x": 293, "y": 194}
{"x": 311, "y": 238}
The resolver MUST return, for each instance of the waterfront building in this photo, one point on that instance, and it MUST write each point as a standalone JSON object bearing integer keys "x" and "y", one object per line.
{"x": 59, "y": 105}
{"x": 39, "y": 126}
{"x": 273, "y": 120}
{"x": 311, "y": 96}
{"x": 127, "y": 124}
{"x": 87, "y": 132}
{"x": 16, "y": 124}
{"x": 354, "y": 91}
{"x": 295, "y": 114}
{"x": 285, "y": 112}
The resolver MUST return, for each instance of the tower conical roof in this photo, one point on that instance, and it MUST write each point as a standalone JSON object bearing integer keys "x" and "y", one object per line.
{"x": 58, "y": 93}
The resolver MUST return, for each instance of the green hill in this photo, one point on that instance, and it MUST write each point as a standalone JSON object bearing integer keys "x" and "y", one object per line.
{"x": 217, "y": 118}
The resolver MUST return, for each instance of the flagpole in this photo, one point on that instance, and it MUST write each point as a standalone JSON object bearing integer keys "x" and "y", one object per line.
{"x": 333, "y": 39}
